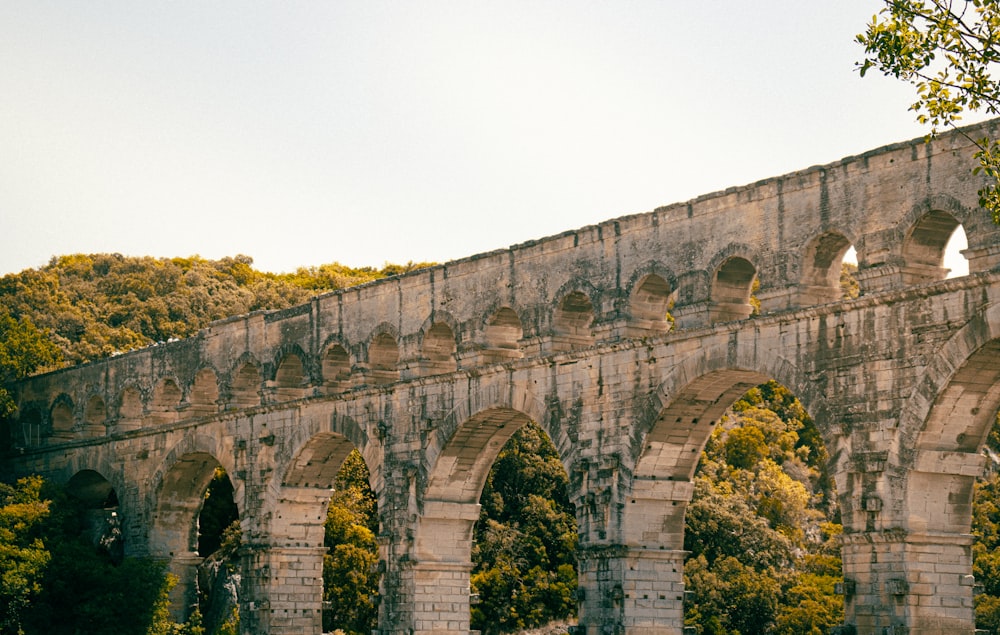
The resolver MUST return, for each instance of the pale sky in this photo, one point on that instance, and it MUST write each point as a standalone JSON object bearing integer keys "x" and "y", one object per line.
{"x": 302, "y": 133}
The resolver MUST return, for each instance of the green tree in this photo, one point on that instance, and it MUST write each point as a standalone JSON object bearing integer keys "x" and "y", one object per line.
{"x": 84, "y": 588}
{"x": 764, "y": 555}
{"x": 524, "y": 567}
{"x": 350, "y": 573}
{"x": 23, "y": 555}
{"x": 947, "y": 49}
{"x": 23, "y": 350}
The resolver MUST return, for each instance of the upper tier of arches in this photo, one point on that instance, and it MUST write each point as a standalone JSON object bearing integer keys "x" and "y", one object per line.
{"x": 773, "y": 246}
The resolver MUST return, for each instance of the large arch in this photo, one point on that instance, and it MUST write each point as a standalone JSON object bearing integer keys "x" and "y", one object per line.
{"x": 293, "y": 520}
{"x": 819, "y": 279}
{"x": 668, "y": 438}
{"x": 943, "y": 427}
{"x": 99, "y": 503}
{"x": 447, "y": 512}
{"x": 178, "y": 496}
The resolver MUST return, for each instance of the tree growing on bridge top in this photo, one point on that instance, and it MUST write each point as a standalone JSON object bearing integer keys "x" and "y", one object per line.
{"x": 948, "y": 50}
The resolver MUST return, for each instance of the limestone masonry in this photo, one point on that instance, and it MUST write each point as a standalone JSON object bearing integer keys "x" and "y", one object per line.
{"x": 429, "y": 373}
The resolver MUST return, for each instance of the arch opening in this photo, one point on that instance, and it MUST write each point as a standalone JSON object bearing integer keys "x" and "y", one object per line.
{"x": 337, "y": 369}
{"x": 326, "y": 505}
{"x": 829, "y": 264}
{"x": 204, "y": 395}
{"x": 502, "y": 336}
{"x": 383, "y": 359}
{"x": 525, "y": 538}
{"x": 290, "y": 380}
{"x": 163, "y": 408}
{"x": 439, "y": 349}
{"x": 650, "y": 303}
{"x": 925, "y": 245}
{"x": 95, "y": 416}
{"x": 62, "y": 420}
{"x": 245, "y": 389}
{"x": 130, "y": 409}
{"x": 734, "y": 479}
{"x": 732, "y": 286}
{"x": 571, "y": 322}
{"x": 175, "y": 534}
{"x": 97, "y": 501}
{"x": 496, "y": 500}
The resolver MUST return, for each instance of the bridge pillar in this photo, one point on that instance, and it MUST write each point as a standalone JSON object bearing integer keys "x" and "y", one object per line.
{"x": 282, "y": 591}
{"x": 918, "y": 582}
{"x": 631, "y": 591}
{"x": 184, "y": 595}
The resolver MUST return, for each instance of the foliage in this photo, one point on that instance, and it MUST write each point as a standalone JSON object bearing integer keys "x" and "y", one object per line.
{"x": 23, "y": 556}
{"x": 94, "y": 306}
{"x": 849, "y": 287}
{"x": 84, "y": 587}
{"x": 764, "y": 555}
{"x": 986, "y": 552}
{"x": 350, "y": 566}
{"x": 524, "y": 567}
{"x": 23, "y": 350}
{"x": 948, "y": 50}
{"x": 218, "y": 513}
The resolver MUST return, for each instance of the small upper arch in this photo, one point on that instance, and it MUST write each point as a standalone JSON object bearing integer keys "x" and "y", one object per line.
{"x": 62, "y": 416}
{"x": 383, "y": 354}
{"x": 651, "y": 292}
{"x": 573, "y": 316}
{"x": 732, "y": 281}
{"x": 503, "y": 330}
{"x": 245, "y": 382}
{"x": 165, "y": 401}
{"x": 438, "y": 344}
{"x": 130, "y": 407}
{"x": 822, "y": 260}
{"x": 336, "y": 365}
{"x": 95, "y": 415}
{"x": 291, "y": 375}
{"x": 203, "y": 394}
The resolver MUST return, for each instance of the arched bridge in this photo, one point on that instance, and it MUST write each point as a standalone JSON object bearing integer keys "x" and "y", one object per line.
{"x": 429, "y": 373}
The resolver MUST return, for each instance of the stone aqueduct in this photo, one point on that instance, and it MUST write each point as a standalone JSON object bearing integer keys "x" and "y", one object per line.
{"x": 429, "y": 373}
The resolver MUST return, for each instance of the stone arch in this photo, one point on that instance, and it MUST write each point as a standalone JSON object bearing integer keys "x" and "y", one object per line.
{"x": 30, "y": 428}
{"x": 62, "y": 417}
{"x": 498, "y": 395}
{"x": 130, "y": 408}
{"x": 822, "y": 258}
{"x": 98, "y": 499}
{"x": 942, "y": 429}
{"x": 245, "y": 383}
{"x": 447, "y": 512}
{"x": 946, "y": 412}
{"x": 165, "y": 401}
{"x": 383, "y": 354}
{"x": 438, "y": 345}
{"x": 502, "y": 333}
{"x": 650, "y": 294}
{"x": 944, "y": 425}
{"x": 178, "y": 496}
{"x": 291, "y": 377}
{"x": 335, "y": 367}
{"x": 923, "y": 246}
{"x": 573, "y": 317}
{"x": 95, "y": 416}
{"x": 659, "y": 470}
{"x": 296, "y": 511}
{"x": 203, "y": 394}
{"x": 732, "y": 279}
